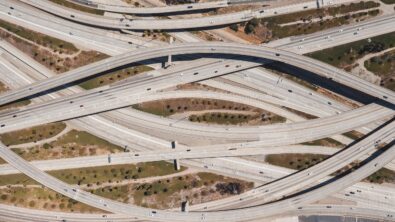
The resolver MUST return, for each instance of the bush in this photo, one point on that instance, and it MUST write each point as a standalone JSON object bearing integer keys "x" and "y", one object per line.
{"x": 249, "y": 29}
{"x": 234, "y": 27}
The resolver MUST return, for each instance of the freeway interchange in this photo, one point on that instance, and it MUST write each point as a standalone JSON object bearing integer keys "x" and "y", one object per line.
{"x": 102, "y": 112}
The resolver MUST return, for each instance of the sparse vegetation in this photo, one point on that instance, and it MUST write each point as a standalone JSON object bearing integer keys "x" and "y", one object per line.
{"x": 33, "y": 134}
{"x": 38, "y": 38}
{"x": 98, "y": 175}
{"x": 169, "y": 107}
{"x": 325, "y": 142}
{"x": 383, "y": 66}
{"x": 169, "y": 193}
{"x": 388, "y": 2}
{"x": 353, "y": 135}
{"x": 112, "y": 77}
{"x": 78, "y": 7}
{"x": 294, "y": 160}
{"x": 344, "y": 56}
{"x": 234, "y": 118}
{"x": 382, "y": 176}
{"x": 308, "y": 21}
{"x": 72, "y": 144}
{"x": 42, "y": 198}
{"x": 55, "y": 54}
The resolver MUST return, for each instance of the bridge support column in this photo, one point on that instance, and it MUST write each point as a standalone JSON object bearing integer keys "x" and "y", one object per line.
{"x": 176, "y": 161}
{"x": 184, "y": 206}
{"x": 169, "y": 58}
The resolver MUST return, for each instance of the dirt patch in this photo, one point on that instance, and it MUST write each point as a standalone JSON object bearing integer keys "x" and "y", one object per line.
{"x": 72, "y": 144}
{"x": 42, "y": 199}
{"x": 170, "y": 193}
{"x": 325, "y": 142}
{"x": 226, "y": 118}
{"x": 54, "y": 56}
{"x": 32, "y": 134}
{"x": 170, "y": 107}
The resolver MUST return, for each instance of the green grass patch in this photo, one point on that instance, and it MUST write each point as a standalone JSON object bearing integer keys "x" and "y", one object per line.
{"x": 38, "y": 38}
{"x": 345, "y": 55}
{"x": 101, "y": 174}
{"x": 33, "y": 134}
{"x": 382, "y": 176}
{"x": 295, "y": 161}
{"x": 78, "y": 7}
{"x": 84, "y": 139}
{"x": 112, "y": 77}
{"x": 324, "y": 142}
{"x": 383, "y": 66}
{"x": 318, "y": 13}
{"x": 388, "y": 2}
{"x": 308, "y": 28}
{"x": 309, "y": 21}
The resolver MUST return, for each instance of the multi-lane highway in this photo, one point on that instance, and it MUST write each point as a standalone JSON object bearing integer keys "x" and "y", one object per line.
{"x": 129, "y": 9}
{"x": 168, "y": 24}
{"x": 148, "y": 88}
{"x": 306, "y": 63}
{"x": 385, "y": 134}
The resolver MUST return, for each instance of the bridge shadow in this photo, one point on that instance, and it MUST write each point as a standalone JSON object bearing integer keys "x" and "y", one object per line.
{"x": 328, "y": 84}
{"x": 300, "y": 73}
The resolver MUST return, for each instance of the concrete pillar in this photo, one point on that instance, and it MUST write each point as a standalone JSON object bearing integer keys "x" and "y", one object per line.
{"x": 184, "y": 206}
{"x": 176, "y": 161}
{"x": 169, "y": 58}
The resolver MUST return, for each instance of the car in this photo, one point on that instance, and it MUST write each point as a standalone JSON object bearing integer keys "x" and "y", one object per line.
{"x": 341, "y": 30}
{"x": 190, "y": 6}
{"x": 355, "y": 33}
